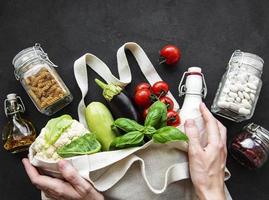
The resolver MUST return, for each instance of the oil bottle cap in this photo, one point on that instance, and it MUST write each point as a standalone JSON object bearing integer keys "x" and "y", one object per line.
{"x": 199, "y": 85}
{"x": 13, "y": 104}
{"x": 11, "y": 96}
{"x": 195, "y": 69}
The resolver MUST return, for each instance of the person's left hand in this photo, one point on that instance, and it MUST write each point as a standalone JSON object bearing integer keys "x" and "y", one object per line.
{"x": 74, "y": 186}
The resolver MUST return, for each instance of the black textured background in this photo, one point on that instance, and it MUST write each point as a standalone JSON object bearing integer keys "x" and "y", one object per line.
{"x": 206, "y": 31}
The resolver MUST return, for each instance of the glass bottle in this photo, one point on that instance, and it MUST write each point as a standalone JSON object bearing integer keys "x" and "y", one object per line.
{"x": 194, "y": 90}
{"x": 240, "y": 87}
{"x": 251, "y": 146}
{"x": 40, "y": 80}
{"x": 18, "y": 134}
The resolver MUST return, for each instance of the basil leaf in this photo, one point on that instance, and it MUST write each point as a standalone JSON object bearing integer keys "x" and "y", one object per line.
{"x": 86, "y": 144}
{"x": 131, "y": 139}
{"x": 149, "y": 131}
{"x": 157, "y": 115}
{"x": 55, "y": 127}
{"x": 127, "y": 125}
{"x": 163, "y": 121}
{"x": 153, "y": 118}
{"x": 169, "y": 133}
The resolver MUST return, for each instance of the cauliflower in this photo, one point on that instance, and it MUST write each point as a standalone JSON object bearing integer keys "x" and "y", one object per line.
{"x": 46, "y": 148}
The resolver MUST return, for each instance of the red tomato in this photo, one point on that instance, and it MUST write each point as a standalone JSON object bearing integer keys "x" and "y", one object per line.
{"x": 143, "y": 98}
{"x": 141, "y": 86}
{"x": 160, "y": 88}
{"x": 173, "y": 118}
{"x": 168, "y": 102}
{"x": 171, "y": 54}
{"x": 145, "y": 113}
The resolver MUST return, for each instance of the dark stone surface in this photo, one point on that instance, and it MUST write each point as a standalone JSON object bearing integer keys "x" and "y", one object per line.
{"x": 206, "y": 31}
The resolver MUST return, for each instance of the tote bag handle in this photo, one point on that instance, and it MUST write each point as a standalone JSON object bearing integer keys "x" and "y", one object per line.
{"x": 125, "y": 76}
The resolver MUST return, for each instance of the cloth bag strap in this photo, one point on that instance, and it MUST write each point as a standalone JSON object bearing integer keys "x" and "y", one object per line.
{"x": 125, "y": 76}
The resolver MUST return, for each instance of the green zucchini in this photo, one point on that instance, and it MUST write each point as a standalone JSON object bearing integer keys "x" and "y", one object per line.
{"x": 100, "y": 120}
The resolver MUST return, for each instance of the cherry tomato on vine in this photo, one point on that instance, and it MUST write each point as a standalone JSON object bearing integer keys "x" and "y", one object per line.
{"x": 160, "y": 88}
{"x": 143, "y": 98}
{"x": 173, "y": 118}
{"x": 170, "y": 54}
{"x": 168, "y": 102}
{"x": 141, "y": 86}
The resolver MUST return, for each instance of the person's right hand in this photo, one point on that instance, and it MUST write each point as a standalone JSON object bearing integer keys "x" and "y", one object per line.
{"x": 207, "y": 164}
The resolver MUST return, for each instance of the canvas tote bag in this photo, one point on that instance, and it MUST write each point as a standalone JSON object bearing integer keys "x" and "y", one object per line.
{"x": 153, "y": 171}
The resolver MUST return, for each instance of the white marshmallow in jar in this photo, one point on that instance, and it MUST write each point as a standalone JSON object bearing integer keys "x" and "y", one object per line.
{"x": 240, "y": 87}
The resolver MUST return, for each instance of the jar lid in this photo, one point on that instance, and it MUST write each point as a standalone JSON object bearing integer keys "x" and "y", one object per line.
{"x": 259, "y": 130}
{"x": 28, "y": 54}
{"x": 249, "y": 59}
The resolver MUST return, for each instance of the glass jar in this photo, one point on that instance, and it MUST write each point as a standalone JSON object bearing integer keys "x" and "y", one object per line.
{"x": 240, "y": 87}
{"x": 40, "y": 80}
{"x": 251, "y": 147}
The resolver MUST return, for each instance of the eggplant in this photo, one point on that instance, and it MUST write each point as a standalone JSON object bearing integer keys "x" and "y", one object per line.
{"x": 118, "y": 102}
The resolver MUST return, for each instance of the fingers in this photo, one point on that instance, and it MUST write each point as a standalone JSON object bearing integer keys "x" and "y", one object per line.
{"x": 211, "y": 125}
{"x": 52, "y": 186}
{"x": 71, "y": 175}
{"x": 193, "y": 135}
{"x": 30, "y": 170}
{"x": 223, "y": 135}
{"x": 223, "y": 132}
{"x": 47, "y": 196}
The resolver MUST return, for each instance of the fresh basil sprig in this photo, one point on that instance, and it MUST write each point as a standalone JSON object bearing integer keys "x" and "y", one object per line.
{"x": 168, "y": 133}
{"x": 131, "y": 139}
{"x": 127, "y": 125}
{"x": 154, "y": 127}
{"x": 157, "y": 115}
{"x": 149, "y": 131}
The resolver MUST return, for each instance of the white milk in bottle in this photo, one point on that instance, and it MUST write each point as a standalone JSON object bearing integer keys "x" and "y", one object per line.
{"x": 194, "y": 90}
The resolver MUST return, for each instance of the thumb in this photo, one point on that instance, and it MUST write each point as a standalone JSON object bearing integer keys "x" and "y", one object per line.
{"x": 193, "y": 135}
{"x": 71, "y": 175}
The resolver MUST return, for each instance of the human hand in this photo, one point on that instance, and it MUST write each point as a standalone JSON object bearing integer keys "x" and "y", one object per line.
{"x": 73, "y": 187}
{"x": 207, "y": 164}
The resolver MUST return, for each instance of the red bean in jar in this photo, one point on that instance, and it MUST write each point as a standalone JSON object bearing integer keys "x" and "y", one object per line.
{"x": 251, "y": 147}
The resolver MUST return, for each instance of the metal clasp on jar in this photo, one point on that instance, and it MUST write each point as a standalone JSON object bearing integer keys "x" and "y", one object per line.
{"x": 252, "y": 127}
{"x": 260, "y": 132}
{"x": 43, "y": 55}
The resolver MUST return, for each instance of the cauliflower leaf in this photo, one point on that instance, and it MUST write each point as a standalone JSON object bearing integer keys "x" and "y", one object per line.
{"x": 55, "y": 127}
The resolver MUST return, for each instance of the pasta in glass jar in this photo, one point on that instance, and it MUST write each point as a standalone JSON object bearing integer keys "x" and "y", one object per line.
{"x": 40, "y": 80}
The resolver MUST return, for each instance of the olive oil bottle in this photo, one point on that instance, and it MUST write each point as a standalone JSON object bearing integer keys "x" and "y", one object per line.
{"x": 18, "y": 134}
